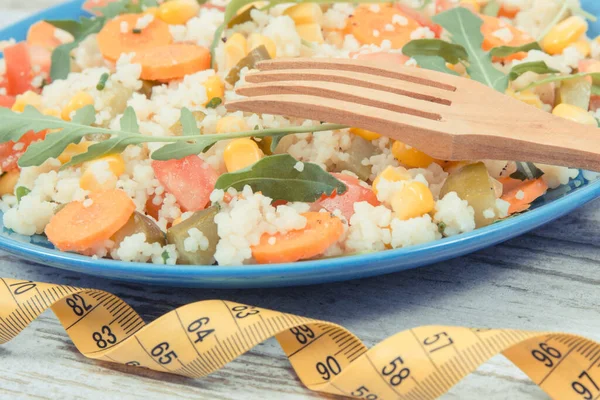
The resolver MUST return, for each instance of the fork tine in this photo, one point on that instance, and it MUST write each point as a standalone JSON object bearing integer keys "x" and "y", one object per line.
{"x": 410, "y": 74}
{"x": 416, "y": 131}
{"x": 340, "y": 91}
{"x": 405, "y": 88}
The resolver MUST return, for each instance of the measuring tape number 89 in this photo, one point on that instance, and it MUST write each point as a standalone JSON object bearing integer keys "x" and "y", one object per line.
{"x": 200, "y": 338}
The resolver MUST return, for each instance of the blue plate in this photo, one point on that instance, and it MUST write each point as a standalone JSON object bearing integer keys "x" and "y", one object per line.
{"x": 553, "y": 205}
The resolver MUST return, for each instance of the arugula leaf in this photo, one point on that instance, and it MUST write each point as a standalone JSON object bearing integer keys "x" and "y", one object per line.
{"x": 465, "y": 30}
{"x": 526, "y": 171}
{"x": 188, "y": 123}
{"x": 276, "y": 177}
{"x": 452, "y": 53}
{"x": 21, "y": 192}
{"x": 61, "y": 56}
{"x": 129, "y": 121}
{"x": 115, "y": 145}
{"x": 505, "y": 51}
{"x": 434, "y": 63}
{"x": 54, "y": 144}
{"x": 14, "y": 125}
{"x": 558, "y": 78}
{"x": 275, "y": 141}
{"x": 492, "y": 8}
{"x": 539, "y": 67}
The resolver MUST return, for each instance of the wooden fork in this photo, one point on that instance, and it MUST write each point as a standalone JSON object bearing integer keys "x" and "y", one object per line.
{"x": 448, "y": 117}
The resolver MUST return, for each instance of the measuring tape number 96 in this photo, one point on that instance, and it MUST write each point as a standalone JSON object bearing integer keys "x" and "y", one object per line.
{"x": 200, "y": 338}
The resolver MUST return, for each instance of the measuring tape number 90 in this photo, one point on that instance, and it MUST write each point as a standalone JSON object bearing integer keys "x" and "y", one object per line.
{"x": 200, "y": 338}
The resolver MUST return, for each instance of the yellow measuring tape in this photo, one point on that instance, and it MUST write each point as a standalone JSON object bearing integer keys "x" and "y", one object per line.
{"x": 200, "y": 338}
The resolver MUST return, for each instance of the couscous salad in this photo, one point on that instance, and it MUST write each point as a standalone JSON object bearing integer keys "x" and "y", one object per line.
{"x": 116, "y": 141}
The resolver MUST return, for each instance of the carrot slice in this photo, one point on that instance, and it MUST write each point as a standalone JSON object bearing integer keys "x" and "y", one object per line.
{"x": 173, "y": 61}
{"x": 521, "y": 196}
{"x": 117, "y": 36}
{"x": 507, "y": 11}
{"x": 44, "y": 35}
{"x": 78, "y": 228}
{"x": 508, "y": 183}
{"x": 321, "y": 231}
{"x": 372, "y": 24}
{"x": 490, "y": 40}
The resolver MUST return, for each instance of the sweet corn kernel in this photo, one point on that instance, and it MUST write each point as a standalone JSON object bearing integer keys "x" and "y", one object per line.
{"x": 526, "y": 96}
{"x": 52, "y": 112}
{"x": 72, "y": 150}
{"x": 79, "y": 100}
{"x": 178, "y": 12}
{"x": 365, "y": 134}
{"x": 236, "y": 48}
{"x": 176, "y": 221}
{"x": 305, "y": 13}
{"x": 256, "y": 39}
{"x": 241, "y": 153}
{"x": 311, "y": 33}
{"x": 574, "y": 114}
{"x": 102, "y": 174}
{"x": 214, "y": 88}
{"x": 410, "y": 156}
{"x": 583, "y": 47}
{"x": 28, "y": 98}
{"x": 231, "y": 123}
{"x": 473, "y": 5}
{"x": 391, "y": 174}
{"x": 564, "y": 34}
{"x": 8, "y": 181}
{"x": 414, "y": 200}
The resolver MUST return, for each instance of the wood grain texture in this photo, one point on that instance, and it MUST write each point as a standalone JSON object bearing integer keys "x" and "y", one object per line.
{"x": 479, "y": 123}
{"x": 546, "y": 280}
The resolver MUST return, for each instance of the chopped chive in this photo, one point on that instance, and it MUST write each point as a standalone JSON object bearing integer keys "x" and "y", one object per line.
{"x": 214, "y": 102}
{"x": 165, "y": 256}
{"x": 136, "y": 31}
{"x": 21, "y": 192}
{"x": 102, "y": 82}
{"x": 441, "y": 227}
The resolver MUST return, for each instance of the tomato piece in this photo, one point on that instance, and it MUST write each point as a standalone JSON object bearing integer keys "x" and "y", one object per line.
{"x": 151, "y": 208}
{"x": 442, "y": 5}
{"x": 18, "y": 68}
{"x": 7, "y": 101}
{"x": 209, "y": 6}
{"x": 507, "y": 11}
{"x": 90, "y": 5}
{"x": 190, "y": 180}
{"x": 594, "y": 102}
{"x": 421, "y": 19}
{"x": 9, "y": 155}
{"x": 345, "y": 201}
{"x": 40, "y": 58}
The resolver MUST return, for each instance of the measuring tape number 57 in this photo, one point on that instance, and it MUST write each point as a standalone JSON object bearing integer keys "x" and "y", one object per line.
{"x": 200, "y": 338}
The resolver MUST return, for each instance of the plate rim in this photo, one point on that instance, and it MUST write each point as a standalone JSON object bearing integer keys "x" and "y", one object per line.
{"x": 337, "y": 268}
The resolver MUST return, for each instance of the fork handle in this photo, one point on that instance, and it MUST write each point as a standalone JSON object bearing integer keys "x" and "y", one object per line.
{"x": 556, "y": 142}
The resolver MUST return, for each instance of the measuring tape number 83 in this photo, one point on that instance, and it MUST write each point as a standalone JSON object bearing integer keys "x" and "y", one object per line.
{"x": 200, "y": 338}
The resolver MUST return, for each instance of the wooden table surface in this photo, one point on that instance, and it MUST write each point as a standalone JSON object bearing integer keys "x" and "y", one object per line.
{"x": 546, "y": 280}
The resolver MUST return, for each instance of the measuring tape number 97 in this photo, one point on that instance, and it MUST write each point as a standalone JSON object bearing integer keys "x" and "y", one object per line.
{"x": 200, "y": 338}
